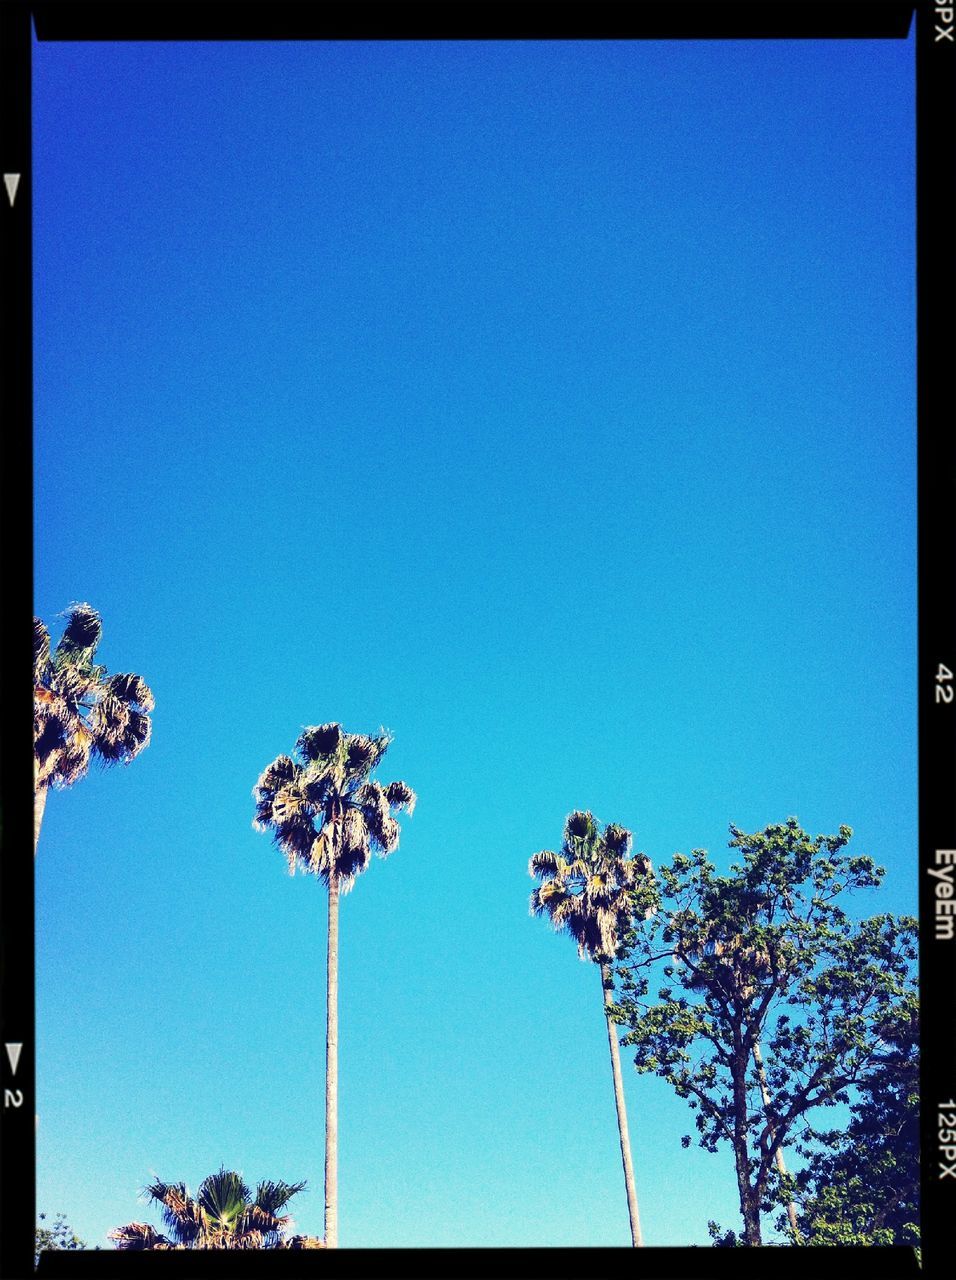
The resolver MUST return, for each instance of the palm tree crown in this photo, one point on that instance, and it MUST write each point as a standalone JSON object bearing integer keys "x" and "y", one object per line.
{"x": 79, "y": 711}
{"x": 587, "y": 887}
{"x": 223, "y": 1215}
{"x": 325, "y": 814}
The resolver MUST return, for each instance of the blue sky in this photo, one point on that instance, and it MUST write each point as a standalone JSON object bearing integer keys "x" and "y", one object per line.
{"x": 550, "y": 404}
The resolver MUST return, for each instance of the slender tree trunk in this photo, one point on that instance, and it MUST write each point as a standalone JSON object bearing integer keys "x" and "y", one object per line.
{"x": 636, "y": 1238}
{"x": 749, "y": 1208}
{"x": 39, "y": 804}
{"x": 332, "y": 1072}
{"x": 781, "y": 1166}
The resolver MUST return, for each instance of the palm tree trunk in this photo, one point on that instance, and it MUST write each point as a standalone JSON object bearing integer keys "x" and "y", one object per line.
{"x": 636, "y": 1238}
{"x": 332, "y": 1072}
{"x": 781, "y": 1166}
{"x": 39, "y": 804}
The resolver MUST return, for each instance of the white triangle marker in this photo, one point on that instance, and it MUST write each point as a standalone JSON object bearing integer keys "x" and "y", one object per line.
{"x": 12, "y": 181}
{"x": 13, "y": 1053}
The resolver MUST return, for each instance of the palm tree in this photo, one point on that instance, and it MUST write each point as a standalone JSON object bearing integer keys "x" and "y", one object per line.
{"x": 80, "y": 712}
{"x": 586, "y": 891}
{"x": 326, "y": 816}
{"x": 223, "y": 1215}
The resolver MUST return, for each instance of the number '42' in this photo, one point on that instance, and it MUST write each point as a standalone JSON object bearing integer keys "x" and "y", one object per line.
{"x": 944, "y": 686}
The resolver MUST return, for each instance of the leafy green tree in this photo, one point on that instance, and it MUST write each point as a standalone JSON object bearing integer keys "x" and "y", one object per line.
{"x": 587, "y": 891}
{"x": 326, "y": 814}
{"x": 224, "y": 1214}
{"x": 58, "y": 1236}
{"x": 79, "y": 712}
{"x": 764, "y": 959}
{"x": 861, "y": 1184}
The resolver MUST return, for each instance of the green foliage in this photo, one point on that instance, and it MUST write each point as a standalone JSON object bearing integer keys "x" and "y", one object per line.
{"x": 765, "y": 961}
{"x": 324, "y": 811}
{"x": 58, "y": 1236}
{"x": 591, "y": 888}
{"x": 79, "y": 712}
{"x": 223, "y": 1214}
{"x": 723, "y": 1239}
{"x": 861, "y": 1185}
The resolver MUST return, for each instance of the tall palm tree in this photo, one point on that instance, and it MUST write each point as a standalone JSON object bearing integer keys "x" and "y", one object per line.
{"x": 79, "y": 712}
{"x": 586, "y": 891}
{"x": 223, "y": 1215}
{"x": 326, "y": 815}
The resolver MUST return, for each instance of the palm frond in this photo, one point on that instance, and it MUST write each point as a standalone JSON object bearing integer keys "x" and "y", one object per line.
{"x": 111, "y": 714}
{"x": 567, "y": 917}
{"x": 273, "y": 1196}
{"x": 223, "y": 1197}
{"x": 181, "y": 1214}
{"x": 262, "y": 820}
{"x": 111, "y": 748}
{"x": 387, "y": 838}
{"x": 48, "y": 701}
{"x": 41, "y": 651}
{"x": 131, "y": 689}
{"x": 354, "y": 843}
{"x": 579, "y": 868}
{"x": 318, "y": 784}
{"x": 580, "y": 828}
{"x": 400, "y": 796}
{"x": 383, "y": 830}
{"x": 139, "y": 730}
{"x": 549, "y": 897}
{"x": 288, "y": 805}
{"x": 295, "y": 837}
{"x": 606, "y": 922}
{"x": 137, "y": 1235}
{"x": 598, "y": 939}
{"x": 618, "y": 840}
{"x": 109, "y": 720}
{"x": 279, "y": 773}
{"x": 119, "y": 733}
{"x": 81, "y": 635}
{"x": 362, "y": 754}
{"x": 565, "y": 912}
{"x": 320, "y": 858}
{"x": 349, "y": 863}
{"x": 49, "y": 730}
{"x": 75, "y": 684}
{"x": 369, "y": 793}
{"x": 73, "y": 760}
{"x": 547, "y": 864}
{"x": 282, "y": 807}
{"x": 246, "y": 1238}
{"x": 318, "y": 743}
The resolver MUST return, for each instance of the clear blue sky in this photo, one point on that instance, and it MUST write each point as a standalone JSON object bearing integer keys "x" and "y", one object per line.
{"x": 550, "y": 404}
